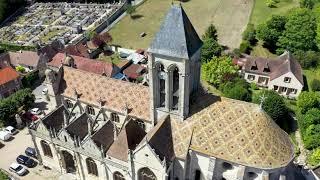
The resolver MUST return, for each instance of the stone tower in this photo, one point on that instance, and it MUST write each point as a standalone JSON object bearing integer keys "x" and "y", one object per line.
{"x": 174, "y": 65}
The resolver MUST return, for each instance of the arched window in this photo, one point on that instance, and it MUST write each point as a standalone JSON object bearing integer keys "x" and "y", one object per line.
{"x": 115, "y": 117}
{"x": 197, "y": 175}
{"x": 146, "y": 174}
{"x": 69, "y": 103}
{"x": 118, "y": 176}
{"x": 46, "y": 148}
{"x": 162, "y": 86}
{"x": 175, "y": 88}
{"x": 92, "y": 167}
{"x": 141, "y": 123}
{"x": 90, "y": 110}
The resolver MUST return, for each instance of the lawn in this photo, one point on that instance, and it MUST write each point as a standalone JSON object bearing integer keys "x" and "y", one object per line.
{"x": 229, "y": 16}
{"x": 261, "y": 11}
{"x": 260, "y": 51}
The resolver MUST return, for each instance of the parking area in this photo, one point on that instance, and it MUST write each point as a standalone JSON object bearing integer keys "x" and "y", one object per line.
{"x": 14, "y": 148}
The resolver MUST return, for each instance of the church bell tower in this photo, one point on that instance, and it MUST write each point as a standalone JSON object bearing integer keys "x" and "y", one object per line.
{"x": 174, "y": 65}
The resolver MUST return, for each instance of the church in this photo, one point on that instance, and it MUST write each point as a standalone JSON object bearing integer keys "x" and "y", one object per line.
{"x": 108, "y": 129}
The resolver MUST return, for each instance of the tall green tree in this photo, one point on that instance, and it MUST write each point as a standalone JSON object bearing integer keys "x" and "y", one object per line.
{"x": 270, "y": 31}
{"x": 249, "y": 34}
{"x": 210, "y": 48}
{"x": 217, "y": 69}
{"x": 307, "y": 101}
{"x": 273, "y": 104}
{"x": 237, "y": 88}
{"x": 307, "y": 59}
{"x": 299, "y": 32}
{"x": 211, "y": 32}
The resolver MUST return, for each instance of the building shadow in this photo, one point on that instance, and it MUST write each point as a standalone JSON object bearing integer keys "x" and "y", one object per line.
{"x": 136, "y": 16}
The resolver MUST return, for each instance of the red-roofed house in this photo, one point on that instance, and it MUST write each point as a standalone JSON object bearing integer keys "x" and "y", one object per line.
{"x": 9, "y": 81}
{"x": 85, "y": 64}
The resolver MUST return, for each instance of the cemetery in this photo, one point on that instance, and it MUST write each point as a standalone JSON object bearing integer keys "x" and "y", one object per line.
{"x": 43, "y": 23}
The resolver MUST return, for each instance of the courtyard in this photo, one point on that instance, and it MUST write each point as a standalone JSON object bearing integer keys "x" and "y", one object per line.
{"x": 45, "y": 22}
{"x": 229, "y": 16}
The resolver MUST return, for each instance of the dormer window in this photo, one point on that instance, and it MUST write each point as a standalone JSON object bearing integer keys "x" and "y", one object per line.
{"x": 266, "y": 68}
{"x": 69, "y": 104}
{"x": 90, "y": 110}
{"x": 287, "y": 80}
{"x": 254, "y": 66}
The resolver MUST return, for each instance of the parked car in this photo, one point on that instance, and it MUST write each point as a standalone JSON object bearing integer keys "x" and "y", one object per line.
{"x": 11, "y": 130}
{"x": 35, "y": 111}
{"x": 18, "y": 169}
{"x": 31, "y": 152}
{"x": 25, "y": 160}
{"x": 5, "y": 135}
{"x": 29, "y": 116}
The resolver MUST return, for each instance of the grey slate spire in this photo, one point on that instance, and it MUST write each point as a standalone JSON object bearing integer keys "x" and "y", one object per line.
{"x": 177, "y": 37}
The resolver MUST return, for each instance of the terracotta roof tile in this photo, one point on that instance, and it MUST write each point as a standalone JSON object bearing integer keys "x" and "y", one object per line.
{"x": 8, "y": 74}
{"x": 115, "y": 93}
{"x": 89, "y": 65}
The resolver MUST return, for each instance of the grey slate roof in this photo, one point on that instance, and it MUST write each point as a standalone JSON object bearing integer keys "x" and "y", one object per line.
{"x": 55, "y": 119}
{"x": 177, "y": 37}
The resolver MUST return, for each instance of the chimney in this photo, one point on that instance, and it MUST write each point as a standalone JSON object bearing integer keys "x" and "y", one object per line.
{"x": 115, "y": 133}
{"x": 66, "y": 118}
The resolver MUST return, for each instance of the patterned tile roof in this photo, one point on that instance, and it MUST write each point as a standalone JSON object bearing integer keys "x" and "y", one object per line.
{"x": 115, "y": 94}
{"x": 232, "y": 130}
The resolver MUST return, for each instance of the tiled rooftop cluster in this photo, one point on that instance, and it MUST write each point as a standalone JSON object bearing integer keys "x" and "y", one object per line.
{"x": 46, "y": 22}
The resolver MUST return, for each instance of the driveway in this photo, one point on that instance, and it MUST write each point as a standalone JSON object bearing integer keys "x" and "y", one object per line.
{"x": 40, "y": 101}
{"x": 15, "y": 147}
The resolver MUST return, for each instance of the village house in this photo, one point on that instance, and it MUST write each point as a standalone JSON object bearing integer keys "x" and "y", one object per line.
{"x": 104, "y": 128}
{"x": 282, "y": 74}
{"x": 9, "y": 81}
{"x": 29, "y": 60}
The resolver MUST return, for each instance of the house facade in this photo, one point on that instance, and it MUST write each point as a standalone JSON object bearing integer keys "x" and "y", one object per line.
{"x": 283, "y": 74}
{"x": 105, "y": 128}
{"x": 10, "y": 82}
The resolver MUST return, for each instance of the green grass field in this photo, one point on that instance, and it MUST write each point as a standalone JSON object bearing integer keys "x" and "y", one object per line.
{"x": 229, "y": 16}
{"x": 261, "y": 11}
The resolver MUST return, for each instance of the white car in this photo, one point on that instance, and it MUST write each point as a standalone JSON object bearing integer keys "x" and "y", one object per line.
{"x": 5, "y": 135}
{"x": 35, "y": 111}
{"x": 18, "y": 169}
{"x": 11, "y": 130}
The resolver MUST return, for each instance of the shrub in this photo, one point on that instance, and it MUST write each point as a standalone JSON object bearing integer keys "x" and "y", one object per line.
{"x": 311, "y": 117}
{"x": 245, "y": 47}
{"x": 249, "y": 34}
{"x": 314, "y": 158}
{"x": 210, "y": 48}
{"x": 3, "y": 176}
{"x": 315, "y": 85}
{"x": 29, "y": 79}
{"x": 254, "y": 86}
{"x": 270, "y": 3}
{"x": 273, "y": 104}
{"x": 308, "y": 59}
{"x": 312, "y": 136}
{"x": 211, "y": 32}
{"x": 306, "y": 4}
{"x": 307, "y": 100}
{"x": 237, "y": 89}
{"x": 236, "y": 53}
{"x": 20, "y": 69}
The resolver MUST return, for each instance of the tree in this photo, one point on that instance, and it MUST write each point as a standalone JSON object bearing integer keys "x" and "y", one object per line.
{"x": 20, "y": 69}
{"x": 307, "y": 59}
{"x": 307, "y": 101}
{"x": 210, "y": 48}
{"x": 315, "y": 85}
{"x": 250, "y": 34}
{"x": 245, "y": 47}
{"x": 314, "y": 159}
{"x": 3, "y": 176}
{"x": 299, "y": 32}
{"x": 130, "y": 10}
{"x": 238, "y": 88}
{"x": 271, "y": 30}
{"x": 219, "y": 68}
{"x": 211, "y": 32}
{"x": 273, "y": 104}
{"x": 306, "y": 4}
{"x": 312, "y": 116}
{"x": 270, "y": 3}
{"x": 312, "y": 136}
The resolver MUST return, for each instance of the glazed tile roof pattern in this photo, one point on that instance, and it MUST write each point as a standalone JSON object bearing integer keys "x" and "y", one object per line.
{"x": 115, "y": 94}
{"x": 232, "y": 130}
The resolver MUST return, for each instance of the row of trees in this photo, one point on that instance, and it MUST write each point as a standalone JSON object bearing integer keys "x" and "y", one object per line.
{"x": 309, "y": 123}
{"x": 22, "y": 99}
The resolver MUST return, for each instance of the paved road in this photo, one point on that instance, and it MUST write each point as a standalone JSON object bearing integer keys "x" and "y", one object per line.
{"x": 15, "y": 147}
